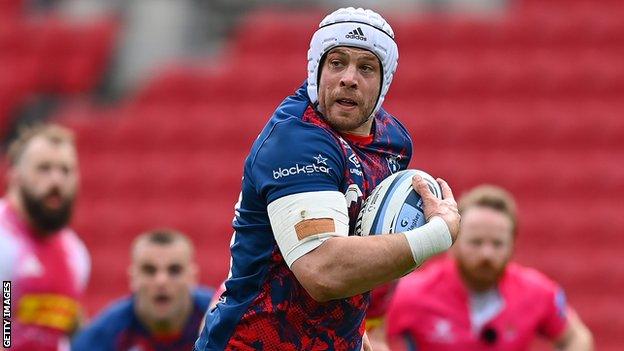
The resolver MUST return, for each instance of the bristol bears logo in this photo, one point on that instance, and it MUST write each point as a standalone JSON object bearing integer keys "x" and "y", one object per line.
{"x": 393, "y": 163}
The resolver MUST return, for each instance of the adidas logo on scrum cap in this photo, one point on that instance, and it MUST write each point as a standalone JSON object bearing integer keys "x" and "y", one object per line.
{"x": 356, "y": 34}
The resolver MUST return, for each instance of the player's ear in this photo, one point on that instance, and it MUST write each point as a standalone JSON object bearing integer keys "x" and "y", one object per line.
{"x": 194, "y": 273}
{"x": 131, "y": 278}
{"x": 12, "y": 175}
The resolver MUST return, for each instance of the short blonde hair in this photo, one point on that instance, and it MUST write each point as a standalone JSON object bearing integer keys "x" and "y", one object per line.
{"x": 162, "y": 236}
{"x": 54, "y": 133}
{"x": 493, "y": 197}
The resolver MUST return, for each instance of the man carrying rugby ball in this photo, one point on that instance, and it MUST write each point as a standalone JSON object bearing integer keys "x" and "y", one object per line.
{"x": 299, "y": 278}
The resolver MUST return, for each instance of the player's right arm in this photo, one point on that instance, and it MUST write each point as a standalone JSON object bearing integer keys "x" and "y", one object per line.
{"x": 310, "y": 223}
{"x": 344, "y": 266}
{"x": 103, "y": 332}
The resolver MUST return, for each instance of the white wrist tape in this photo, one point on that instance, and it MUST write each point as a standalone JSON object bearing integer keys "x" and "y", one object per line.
{"x": 428, "y": 240}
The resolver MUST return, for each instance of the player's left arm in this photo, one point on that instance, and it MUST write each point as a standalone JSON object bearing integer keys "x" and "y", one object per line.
{"x": 576, "y": 336}
{"x": 560, "y": 323}
{"x": 80, "y": 259}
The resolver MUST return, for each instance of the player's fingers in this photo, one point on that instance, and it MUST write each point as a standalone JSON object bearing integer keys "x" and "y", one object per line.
{"x": 447, "y": 193}
{"x": 421, "y": 187}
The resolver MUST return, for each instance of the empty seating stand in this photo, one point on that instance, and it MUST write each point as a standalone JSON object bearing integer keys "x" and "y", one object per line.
{"x": 48, "y": 55}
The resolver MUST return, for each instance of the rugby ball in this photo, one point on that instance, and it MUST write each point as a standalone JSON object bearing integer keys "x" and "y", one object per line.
{"x": 394, "y": 206}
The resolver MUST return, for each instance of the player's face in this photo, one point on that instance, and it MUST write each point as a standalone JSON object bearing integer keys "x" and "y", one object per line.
{"x": 484, "y": 246}
{"x": 46, "y": 177}
{"x": 162, "y": 277}
{"x": 348, "y": 89}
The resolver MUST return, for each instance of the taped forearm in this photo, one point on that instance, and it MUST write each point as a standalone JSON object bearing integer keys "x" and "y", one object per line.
{"x": 429, "y": 240}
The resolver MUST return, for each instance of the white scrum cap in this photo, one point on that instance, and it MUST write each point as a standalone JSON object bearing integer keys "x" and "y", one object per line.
{"x": 358, "y": 28}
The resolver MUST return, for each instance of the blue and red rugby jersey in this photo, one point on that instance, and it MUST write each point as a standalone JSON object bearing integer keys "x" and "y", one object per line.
{"x": 119, "y": 329}
{"x": 264, "y": 307}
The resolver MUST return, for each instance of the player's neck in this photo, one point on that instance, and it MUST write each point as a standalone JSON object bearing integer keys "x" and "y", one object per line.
{"x": 358, "y": 139}
{"x": 475, "y": 286}
{"x": 167, "y": 327}
{"x": 364, "y": 130}
{"x": 472, "y": 284}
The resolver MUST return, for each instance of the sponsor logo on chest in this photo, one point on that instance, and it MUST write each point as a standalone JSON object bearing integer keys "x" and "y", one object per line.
{"x": 442, "y": 331}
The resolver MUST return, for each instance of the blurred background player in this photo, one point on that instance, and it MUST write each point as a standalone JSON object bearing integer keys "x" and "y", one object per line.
{"x": 166, "y": 307}
{"x": 477, "y": 299}
{"x": 45, "y": 260}
{"x": 299, "y": 277}
{"x": 381, "y": 298}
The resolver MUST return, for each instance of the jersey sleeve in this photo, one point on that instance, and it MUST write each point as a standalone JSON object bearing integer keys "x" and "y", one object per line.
{"x": 9, "y": 251}
{"x": 80, "y": 260}
{"x": 103, "y": 332}
{"x": 93, "y": 338}
{"x": 297, "y": 157}
{"x": 554, "y": 319}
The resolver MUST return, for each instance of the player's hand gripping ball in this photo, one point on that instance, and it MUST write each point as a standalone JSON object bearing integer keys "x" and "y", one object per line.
{"x": 394, "y": 206}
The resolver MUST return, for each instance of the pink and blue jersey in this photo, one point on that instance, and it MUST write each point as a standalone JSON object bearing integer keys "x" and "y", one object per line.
{"x": 48, "y": 276}
{"x": 264, "y": 307}
{"x": 119, "y": 329}
{"x": 431, "y": 311}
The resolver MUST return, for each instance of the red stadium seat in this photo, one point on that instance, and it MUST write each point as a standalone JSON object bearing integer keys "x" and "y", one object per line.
{"x": 10, "y": 9}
